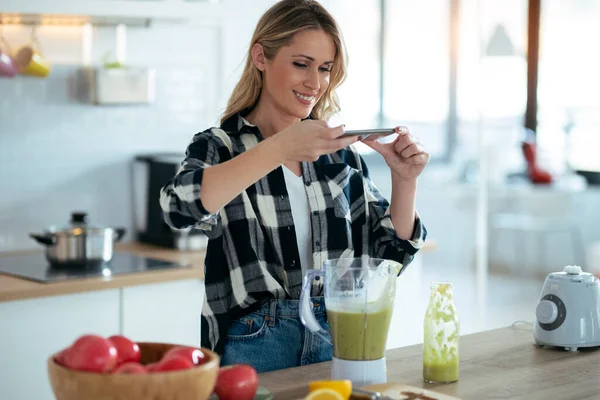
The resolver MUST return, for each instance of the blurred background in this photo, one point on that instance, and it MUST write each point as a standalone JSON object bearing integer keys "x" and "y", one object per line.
{"x": 502, "y": 93}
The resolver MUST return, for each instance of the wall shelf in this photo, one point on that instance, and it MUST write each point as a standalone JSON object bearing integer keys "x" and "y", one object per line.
{"x": 109, "y": 12}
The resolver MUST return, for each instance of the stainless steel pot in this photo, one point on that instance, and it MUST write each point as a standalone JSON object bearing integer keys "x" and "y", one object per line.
{"x": 78, "y": 243}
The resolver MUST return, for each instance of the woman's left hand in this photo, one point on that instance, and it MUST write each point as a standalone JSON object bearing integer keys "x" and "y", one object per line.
{"x": 405, "y": 156}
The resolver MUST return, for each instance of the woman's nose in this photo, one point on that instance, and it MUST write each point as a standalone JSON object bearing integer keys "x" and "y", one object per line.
{"x": 313, "y": 80}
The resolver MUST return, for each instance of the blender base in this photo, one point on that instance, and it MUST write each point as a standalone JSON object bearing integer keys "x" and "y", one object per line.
{"x": 361, "y": 373}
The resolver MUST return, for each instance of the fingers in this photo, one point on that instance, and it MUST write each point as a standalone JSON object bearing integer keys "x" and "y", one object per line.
{"x": 335, "y": 132}
{"x": 319, "y": 122}
{"x": 343, "y": 141}
{"x": 404, "y": 139}
{"x": 418, "y": 159}
{"x": 375, "y": 145}
{"x": 409, "y": 147}
{"x": 412, "y": 149}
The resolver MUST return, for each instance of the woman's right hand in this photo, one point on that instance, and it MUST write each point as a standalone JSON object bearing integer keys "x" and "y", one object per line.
{"x": 310, "y": 139}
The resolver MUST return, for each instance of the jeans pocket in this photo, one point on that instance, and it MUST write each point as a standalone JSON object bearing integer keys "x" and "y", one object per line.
{"x": 248, "y": 327}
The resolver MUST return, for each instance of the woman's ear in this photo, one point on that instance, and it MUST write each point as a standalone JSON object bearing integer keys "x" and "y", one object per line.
{"x": 258, "y": 56}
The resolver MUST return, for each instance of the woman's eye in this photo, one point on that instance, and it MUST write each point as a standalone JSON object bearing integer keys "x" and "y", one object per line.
{"x": 300, "y": 65}
{"x": 325, "y": 69}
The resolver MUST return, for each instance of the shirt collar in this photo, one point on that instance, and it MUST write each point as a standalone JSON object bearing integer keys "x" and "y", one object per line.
{"x": 237, "y": 124}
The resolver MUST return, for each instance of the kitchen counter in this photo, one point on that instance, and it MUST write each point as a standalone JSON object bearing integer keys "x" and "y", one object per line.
{"x": 12, "y": 288}
{"x": 502, "y": 363}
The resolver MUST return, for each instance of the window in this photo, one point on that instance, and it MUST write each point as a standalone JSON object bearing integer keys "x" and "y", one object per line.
{"x": 416, "y": 69}
{"x": 359, "y": 94}
{"x": 569, "y": 82}
{"x": 492, "y": 78}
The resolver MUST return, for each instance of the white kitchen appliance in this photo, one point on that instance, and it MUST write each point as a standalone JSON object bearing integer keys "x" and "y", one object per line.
{"x": 567, "y": 314}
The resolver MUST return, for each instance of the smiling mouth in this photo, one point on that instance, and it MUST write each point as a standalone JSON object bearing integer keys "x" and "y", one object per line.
{"x": 304, "y": 97}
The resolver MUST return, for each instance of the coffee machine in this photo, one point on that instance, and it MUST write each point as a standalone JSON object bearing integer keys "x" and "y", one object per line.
{"x": 150, "y": 173}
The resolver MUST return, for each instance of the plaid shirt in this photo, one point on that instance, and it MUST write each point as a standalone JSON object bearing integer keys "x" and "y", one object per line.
{"x": 252, "y": 254}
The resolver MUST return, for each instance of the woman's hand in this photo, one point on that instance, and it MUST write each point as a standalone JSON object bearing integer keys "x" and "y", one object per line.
{"x": 309, "y": 139}
{"x": 405, "y": 156}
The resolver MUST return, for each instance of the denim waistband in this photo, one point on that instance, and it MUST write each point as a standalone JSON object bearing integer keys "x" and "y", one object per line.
{"x": 289, "y": 307}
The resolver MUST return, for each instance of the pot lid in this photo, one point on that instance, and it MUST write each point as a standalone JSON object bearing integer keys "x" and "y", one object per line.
{"x": 77, "y": 225}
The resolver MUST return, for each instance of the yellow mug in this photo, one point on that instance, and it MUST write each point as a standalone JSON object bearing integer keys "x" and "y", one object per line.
{"x": 29, "y": 61}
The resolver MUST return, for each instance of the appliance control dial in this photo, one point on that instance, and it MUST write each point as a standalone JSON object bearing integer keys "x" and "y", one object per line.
{"x": 546, "y": 312}
{"x": 551, "y": 312}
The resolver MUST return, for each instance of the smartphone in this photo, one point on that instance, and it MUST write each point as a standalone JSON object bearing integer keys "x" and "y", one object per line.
{"x": 364, "y": 133}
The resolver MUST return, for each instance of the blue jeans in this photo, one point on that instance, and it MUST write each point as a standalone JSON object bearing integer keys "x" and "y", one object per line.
{"x": 273, "y": 337}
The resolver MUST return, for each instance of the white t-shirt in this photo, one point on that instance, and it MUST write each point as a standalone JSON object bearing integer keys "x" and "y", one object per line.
{"x": 301, "y": 216}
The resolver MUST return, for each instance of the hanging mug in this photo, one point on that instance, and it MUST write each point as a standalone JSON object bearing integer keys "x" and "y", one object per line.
{"x": 7, "y": 66}
{"x": 29, "y": 59}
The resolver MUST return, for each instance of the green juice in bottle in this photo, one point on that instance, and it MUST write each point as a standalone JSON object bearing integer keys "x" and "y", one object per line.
{"x": 441, "y": 338}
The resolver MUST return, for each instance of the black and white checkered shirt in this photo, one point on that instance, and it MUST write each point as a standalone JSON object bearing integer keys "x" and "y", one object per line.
{"x": 252, "y": 252}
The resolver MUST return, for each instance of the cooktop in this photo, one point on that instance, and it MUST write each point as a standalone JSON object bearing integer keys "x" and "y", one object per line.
{"x": 35, "y": 267}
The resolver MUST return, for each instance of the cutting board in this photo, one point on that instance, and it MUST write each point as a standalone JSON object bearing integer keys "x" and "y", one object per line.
{"x": 399, "y": 391}
{"x": 390, "y": 389}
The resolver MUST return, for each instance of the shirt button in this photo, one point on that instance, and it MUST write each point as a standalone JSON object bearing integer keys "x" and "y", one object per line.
{"x": 289, "y": 228}
{"x": 282, "y": 197}
{"x": 307, "y": 183}
{"x": 315, "y": 213}
{"x": 293, "y": 262}
{"x": 317, "y": 243}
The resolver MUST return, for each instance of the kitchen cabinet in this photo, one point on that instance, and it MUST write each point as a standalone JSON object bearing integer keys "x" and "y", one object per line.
{"x": 33, "y": 329}
{"x": 165, "y": 312}
{"x": 127, "y": 11}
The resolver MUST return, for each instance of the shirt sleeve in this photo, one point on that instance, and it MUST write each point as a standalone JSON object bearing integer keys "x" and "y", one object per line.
{"x": 180, "y": 196}
{"x": 384, "y": 241}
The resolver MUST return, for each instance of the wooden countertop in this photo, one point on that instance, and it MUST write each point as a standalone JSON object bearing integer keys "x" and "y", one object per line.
{"x": 497, "y": 364}
{"x": 12, "y": 288}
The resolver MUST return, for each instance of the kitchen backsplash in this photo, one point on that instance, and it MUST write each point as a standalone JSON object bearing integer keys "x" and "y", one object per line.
{"x": 59, "y": 153}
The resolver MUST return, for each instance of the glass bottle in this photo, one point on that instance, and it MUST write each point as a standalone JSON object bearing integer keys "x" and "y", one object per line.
{"x": 441, "y": 338}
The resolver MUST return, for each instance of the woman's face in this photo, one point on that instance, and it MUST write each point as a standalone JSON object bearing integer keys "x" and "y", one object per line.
{"x": 296, "y": 78}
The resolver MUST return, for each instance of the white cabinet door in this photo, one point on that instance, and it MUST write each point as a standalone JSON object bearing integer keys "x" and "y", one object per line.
{"x": 165, "y": 312}
{"x": 31, "y": 330}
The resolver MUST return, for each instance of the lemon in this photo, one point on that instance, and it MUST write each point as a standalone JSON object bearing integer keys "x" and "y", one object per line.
{"x": 343, "y": 387}
{"x": 324, "y": 394}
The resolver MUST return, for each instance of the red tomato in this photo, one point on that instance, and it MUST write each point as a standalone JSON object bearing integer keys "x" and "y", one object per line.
{"x": 191, "y": 353}
{"x": 126, "y": 349}
{"x": 60, "y": 357}
{"x": 237, "y": 382}
{"x": 131, "y": 368}
{"x": 91, "y": 353}
{"x": 152, "y": 367}
{"x": 173, "y": 363}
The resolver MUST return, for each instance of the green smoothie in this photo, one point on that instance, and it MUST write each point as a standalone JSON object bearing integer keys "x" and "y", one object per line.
{"x": 359, "y": 336}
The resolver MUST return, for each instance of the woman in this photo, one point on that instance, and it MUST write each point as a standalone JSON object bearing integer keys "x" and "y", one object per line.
{"x": 277, "y": 191}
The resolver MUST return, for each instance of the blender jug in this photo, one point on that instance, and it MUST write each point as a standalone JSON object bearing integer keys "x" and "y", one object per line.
{"x": 359, "y": 298}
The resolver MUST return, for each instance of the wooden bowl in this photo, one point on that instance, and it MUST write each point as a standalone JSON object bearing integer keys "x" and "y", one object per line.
{"x": 191, "y": 384}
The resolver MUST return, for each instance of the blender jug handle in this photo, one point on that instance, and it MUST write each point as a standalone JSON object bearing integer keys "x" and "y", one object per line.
{"x": 307, "y": 317}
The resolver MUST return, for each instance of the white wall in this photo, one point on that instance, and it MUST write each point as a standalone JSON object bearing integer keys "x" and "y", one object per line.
{"x": 59, "y": 154}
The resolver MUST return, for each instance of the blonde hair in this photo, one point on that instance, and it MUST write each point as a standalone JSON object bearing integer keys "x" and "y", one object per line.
{"x": 276, "y": 28}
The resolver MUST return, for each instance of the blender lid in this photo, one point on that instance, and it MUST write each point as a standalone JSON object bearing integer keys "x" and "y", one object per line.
{"x": 572, "y": 273}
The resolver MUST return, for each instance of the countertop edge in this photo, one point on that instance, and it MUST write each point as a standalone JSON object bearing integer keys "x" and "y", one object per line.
{"x": 15, "y": 288}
